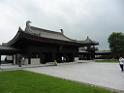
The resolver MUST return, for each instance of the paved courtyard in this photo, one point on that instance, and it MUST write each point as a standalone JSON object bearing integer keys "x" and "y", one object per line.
{"x": 102, "y": 74}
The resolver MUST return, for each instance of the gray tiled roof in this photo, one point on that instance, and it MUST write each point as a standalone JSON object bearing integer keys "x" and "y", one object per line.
{"x": 89, "y": 41}
{"x": 53, "y": 35}
{"x": 47, "y": 33}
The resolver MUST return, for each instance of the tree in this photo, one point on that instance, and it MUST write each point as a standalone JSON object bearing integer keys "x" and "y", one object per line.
{"x": 116, "y": 44}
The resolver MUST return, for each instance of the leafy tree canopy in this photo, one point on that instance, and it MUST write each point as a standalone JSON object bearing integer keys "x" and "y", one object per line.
{"x": 116, "y": 44}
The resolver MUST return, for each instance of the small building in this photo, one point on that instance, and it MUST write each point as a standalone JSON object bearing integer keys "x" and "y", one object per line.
{"x": 39, "y": 46}
{"x": 87, "y": 52}
{"x": 103, "y": 54}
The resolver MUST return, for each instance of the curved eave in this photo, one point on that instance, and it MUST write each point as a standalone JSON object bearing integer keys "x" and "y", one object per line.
{"x": 33, "y": 37}
{"x": 88, "y": 43}
{"x": 16, "y": 38}
{"x": 49, "y": 40}
{"x": 4, "y": 50}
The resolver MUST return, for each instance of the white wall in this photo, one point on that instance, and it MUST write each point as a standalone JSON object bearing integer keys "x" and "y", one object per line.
{"x": 76, "y": 59}
{"x": 25, "y": 61}
{"x": 35, "y": 61}
{"x": 9, "y": 57}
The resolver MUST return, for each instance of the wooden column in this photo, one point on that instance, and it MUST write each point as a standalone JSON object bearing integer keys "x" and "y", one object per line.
{"x": 29, "y": 60}
{"x": 41, "y": 58}
{"x": 14, "y": 59}
{"x": 53, "y": 57}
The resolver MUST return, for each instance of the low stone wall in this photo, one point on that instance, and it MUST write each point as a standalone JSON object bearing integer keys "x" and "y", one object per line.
{"x": 25, "y": 62}
{"x": 35, "y": 61}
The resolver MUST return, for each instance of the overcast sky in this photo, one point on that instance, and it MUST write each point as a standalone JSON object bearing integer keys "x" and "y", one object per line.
{"x": 78, "y": 18}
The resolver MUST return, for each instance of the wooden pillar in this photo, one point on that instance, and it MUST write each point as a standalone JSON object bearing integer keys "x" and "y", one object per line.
{"x": 14, "y": 59}
{"x": 53, "y": 56}
{"x": 94, "y": 51}
{"x": 41, "y": 58}
{"x": 72, "y": 57}
{"x": 29, "y": 60}
{"x": 29, "y": 55}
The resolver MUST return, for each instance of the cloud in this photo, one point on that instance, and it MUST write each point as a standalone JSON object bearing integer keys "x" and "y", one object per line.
{"x": 79, "y": 18}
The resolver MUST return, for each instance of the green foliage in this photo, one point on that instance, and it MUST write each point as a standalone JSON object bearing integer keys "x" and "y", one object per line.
{"x": 28, "y": 82}
{"x": 116, "y": 44}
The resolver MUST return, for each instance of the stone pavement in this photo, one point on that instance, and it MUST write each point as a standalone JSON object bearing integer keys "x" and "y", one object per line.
{"x": 101, "y": 74}
{"x": 11, "y": 67}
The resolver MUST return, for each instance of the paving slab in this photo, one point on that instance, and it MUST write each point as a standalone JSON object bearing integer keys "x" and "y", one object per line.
{"x": 101, "y": 74}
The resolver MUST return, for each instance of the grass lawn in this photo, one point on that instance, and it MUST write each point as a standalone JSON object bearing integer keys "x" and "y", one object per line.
{"x": 28, "y": 82}
{"x": 107, "y": 61}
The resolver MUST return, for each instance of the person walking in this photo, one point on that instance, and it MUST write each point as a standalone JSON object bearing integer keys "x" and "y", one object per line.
{"x": 62, "y": 58}
{"x": 121, "y": 63}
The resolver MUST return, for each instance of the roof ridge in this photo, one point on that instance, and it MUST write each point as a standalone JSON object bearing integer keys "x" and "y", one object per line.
{"x": 50, "y": 31}
{"x": 68, "y": 38}
{"x": 88, "y": 39}
{"x": 44, "y": 30}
